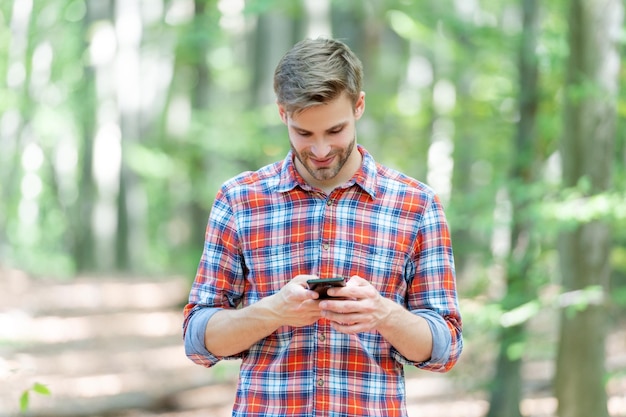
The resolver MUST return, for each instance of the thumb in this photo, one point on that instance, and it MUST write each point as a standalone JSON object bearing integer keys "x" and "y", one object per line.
{"x": 356, "y": 281}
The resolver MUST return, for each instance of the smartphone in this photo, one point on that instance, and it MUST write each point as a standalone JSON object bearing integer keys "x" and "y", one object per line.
{"x": 321, "y": 285}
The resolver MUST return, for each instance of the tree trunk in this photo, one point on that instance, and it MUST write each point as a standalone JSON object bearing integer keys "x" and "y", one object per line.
{"x": 271, "y": 29}
{"x": 84, "y": 102}
{"x": 200, "y": 102}
{"x": 587, "y": 151}
{"x": 12, "y": 141}
{"x": 466, "y": 245}
{"x": 506, "y": 391}
{"x": 128, "y": 68}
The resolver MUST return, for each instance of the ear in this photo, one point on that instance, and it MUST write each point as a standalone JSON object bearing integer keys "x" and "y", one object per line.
{"x": 282, "y": 112}
{"x": 359, "y": 106}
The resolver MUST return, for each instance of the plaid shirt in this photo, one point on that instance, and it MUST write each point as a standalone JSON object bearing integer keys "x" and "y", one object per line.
{"x": 268, "y": 226}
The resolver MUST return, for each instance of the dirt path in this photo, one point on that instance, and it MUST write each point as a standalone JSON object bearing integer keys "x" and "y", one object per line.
{"x": 112, "y": 347}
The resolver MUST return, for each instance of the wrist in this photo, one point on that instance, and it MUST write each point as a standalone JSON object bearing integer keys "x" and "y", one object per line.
{"x": 390, "y": 317}
{"x": 266, "y": 312}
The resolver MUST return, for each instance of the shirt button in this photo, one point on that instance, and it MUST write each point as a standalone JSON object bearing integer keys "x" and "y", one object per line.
{"x": 320, "y": 382}
{"x": 326, "y": 246}
{"x": 329, "y": 202}
{"x": 321, "y": 337}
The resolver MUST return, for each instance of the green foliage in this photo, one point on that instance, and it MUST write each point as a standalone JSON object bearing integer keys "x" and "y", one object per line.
{"x": 579, "y": 300}
{"x": 575, "y": 207}
{"x": 37, "y": 388}
{"x": 208, "y": 117}
{"x": 407, "y": 27}
{"x": 520, "y": 314}
{"x": 291, "y": 9}
{"x": 186, "y": 94}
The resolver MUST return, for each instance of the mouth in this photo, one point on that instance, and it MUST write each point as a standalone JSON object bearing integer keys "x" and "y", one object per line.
{"x": 322, "y": 163}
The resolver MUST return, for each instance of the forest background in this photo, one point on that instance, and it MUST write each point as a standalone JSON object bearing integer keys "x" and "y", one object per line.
{"x": 120, "y": 119}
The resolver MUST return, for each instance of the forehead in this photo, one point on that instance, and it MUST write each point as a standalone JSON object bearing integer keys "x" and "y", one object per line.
{"x": 323, "y": 116}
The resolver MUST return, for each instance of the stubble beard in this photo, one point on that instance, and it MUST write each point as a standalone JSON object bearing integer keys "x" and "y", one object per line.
{"x": 326, "y": 173}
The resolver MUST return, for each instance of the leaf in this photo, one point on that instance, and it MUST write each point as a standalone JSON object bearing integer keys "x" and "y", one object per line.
{"x": 41, "y": 389}
{"x": 405, "y": 26}
{"x": 24, "y": 401}
{"x": 520, "y": 314}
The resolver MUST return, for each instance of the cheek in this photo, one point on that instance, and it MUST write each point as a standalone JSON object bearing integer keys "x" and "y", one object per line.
{"x": 345, "y": 139}
{"x": 298, "y": 147}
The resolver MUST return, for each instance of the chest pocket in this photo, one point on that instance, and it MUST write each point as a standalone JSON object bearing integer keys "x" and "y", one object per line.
{"x": 271, "y": 267}
{"x": 385, "y": 268}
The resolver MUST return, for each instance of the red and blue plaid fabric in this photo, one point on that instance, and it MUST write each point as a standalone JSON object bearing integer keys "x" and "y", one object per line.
{"x": 268, "y": 226}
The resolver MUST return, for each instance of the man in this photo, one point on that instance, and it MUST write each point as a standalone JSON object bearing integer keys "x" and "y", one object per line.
{"x": 327, "y": 210}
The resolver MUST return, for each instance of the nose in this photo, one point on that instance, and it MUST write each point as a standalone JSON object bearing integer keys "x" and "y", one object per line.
{"x": 321, "y": 148}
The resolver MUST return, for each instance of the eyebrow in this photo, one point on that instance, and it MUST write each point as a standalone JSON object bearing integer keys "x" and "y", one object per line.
{"x": 330, "y": 129}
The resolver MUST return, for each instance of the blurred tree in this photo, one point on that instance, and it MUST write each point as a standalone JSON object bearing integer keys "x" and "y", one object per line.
{"x": 120, "y": 119}
{"x": 185, "y": 136}
{"x": 506, "y": 392}
{"x": 587, "y": 150}
{"x": 129, "y": 31}
{"x": 16, "y": 116}
{"x": 83, "y": 102}
{"x": 192, "y": 58}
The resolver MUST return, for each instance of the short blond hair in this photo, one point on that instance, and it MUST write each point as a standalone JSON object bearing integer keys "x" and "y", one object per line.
{"x": 316, "y": 71}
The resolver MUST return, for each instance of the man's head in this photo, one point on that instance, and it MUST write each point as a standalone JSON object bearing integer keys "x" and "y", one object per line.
{"x": 316, "y": 71}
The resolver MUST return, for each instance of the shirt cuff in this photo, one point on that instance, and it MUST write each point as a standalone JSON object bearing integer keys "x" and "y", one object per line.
{"x": 441, "y": 335}
{"x": 194, "y": 337}
{"x": 442, "y": 341}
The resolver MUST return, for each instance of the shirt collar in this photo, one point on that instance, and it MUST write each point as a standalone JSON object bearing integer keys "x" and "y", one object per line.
{"x": 365, "y": 177}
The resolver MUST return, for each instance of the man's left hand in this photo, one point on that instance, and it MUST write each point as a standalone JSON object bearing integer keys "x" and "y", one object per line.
{"x": 359, "y": 307}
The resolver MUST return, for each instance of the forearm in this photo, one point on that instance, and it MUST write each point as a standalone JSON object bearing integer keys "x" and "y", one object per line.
{"x": 408, "y": 333}
{"x": 230, "y": 332}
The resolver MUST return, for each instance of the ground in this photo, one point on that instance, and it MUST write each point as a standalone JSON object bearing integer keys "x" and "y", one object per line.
{"x": 112, "y": 346}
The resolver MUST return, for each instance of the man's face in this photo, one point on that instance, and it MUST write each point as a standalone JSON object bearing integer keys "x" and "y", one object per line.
{"x": 323, "y": 140}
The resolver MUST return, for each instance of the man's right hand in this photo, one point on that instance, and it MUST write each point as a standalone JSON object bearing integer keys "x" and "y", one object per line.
{"x": 231, "y": 331}
{"x": 295, "y": 304}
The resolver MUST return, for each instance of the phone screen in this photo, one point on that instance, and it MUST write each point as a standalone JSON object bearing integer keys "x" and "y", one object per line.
{"x": 322, "y": 285}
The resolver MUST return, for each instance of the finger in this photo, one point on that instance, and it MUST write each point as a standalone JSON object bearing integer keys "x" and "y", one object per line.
{"x": 346, "y": 293}
{"x": 356, "y": 280}
{"x": 349, "y": 328}
{"x": 302, "y": 279}
{"x": 339, "y": 306}
{"x": 344, "y": 318}
{"x": 310, "y": 296}
{"x": 298, "y": 292}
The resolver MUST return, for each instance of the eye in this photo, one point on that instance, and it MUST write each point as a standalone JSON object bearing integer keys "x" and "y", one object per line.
{"x": 336, "y": 131}
{"x": 303, "y": 134}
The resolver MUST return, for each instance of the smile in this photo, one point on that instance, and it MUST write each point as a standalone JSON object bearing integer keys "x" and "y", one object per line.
{"x": 322, "y": 163}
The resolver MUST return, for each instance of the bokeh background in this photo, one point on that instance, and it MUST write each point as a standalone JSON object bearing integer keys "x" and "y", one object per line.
{"x": 119, "y": 119}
